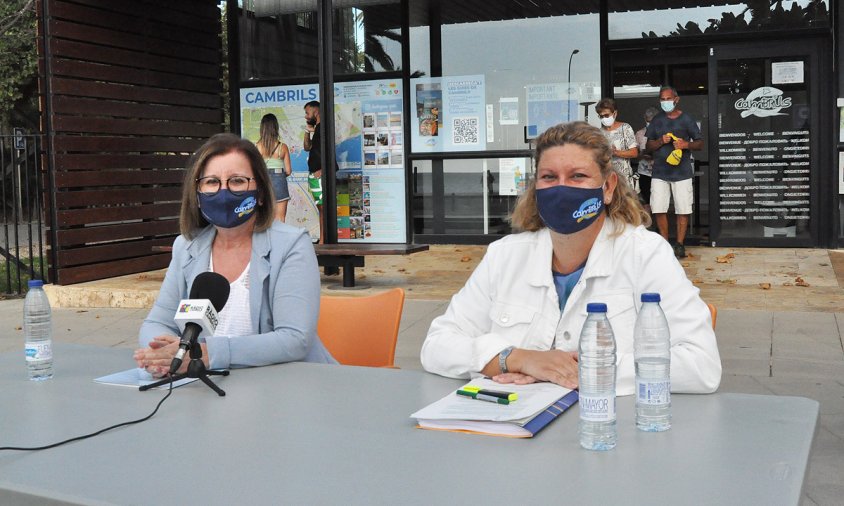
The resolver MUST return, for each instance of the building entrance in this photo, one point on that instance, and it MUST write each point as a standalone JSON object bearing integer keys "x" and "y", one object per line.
{"x": 636, "y": 77}
{"x": 764, "y": 149}
{"x": 757, "y": 179}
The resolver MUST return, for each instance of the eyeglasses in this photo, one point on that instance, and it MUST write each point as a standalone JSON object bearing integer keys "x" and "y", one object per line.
{"x": 605, "y": 115}
{"x": 210, "y": 185}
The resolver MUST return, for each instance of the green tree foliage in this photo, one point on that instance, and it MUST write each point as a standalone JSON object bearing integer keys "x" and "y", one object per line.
{"x": 18, "y": 64}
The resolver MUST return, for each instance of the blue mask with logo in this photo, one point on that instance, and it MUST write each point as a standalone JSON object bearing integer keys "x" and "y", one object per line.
{"x": 227, "y": 210}
{"x": 568, "y": 209}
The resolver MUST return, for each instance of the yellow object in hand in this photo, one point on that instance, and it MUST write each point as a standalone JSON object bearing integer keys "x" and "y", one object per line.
{"x": 675, "y": 156}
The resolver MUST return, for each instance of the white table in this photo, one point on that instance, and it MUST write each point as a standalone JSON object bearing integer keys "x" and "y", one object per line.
{"x": 318, "y": 434}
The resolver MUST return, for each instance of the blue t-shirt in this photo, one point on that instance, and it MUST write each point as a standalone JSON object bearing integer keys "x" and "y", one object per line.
{"x": 683, "y": 127}
{"x": 564, "y": 283}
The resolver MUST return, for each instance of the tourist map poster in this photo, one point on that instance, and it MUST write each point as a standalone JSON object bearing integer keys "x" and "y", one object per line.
{"x": 369, "y": 153}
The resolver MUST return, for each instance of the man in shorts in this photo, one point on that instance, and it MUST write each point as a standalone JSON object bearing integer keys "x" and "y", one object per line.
{"x": 312, "y": 144}
{"x": 672, "y": 136}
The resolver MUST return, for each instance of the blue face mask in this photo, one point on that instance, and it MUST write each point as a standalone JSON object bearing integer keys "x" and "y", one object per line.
{"x": 567, "y": 209}
{"x": 667, "y": 105}
{"x": 227, "y": 210}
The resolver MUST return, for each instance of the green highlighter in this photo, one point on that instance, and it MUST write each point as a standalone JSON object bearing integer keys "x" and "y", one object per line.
{"x": 510, "y": 396}
{"x": 488, "y": 395}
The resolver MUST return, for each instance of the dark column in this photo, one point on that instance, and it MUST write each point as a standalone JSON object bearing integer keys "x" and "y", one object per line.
{"x": 606, "y": 71}
{"x": 325, "y": 21}
{"x": 437, "y": 176}
{"x": 233, "y": 39}
{"x": 838, "y": 50}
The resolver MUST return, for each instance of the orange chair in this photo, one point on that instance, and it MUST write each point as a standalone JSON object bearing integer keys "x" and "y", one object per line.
{"x": 714, "y": 312}
{"x": 361, "y": 330}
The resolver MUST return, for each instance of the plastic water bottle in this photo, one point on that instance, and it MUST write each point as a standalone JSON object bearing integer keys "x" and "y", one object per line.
{"x": 596, "y": 373}
{"x": 38, "y": 332}
{"x": 652, "y": 355}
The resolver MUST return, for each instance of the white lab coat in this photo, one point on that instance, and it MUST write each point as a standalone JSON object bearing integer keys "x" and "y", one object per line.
{"x": 510, "y": 299}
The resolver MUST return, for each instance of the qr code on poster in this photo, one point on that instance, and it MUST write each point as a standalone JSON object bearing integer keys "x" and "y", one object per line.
{"x": 464, "y": 130}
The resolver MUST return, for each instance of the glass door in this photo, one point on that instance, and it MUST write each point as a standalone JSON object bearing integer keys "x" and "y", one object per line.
{"x": 764, "y": 150}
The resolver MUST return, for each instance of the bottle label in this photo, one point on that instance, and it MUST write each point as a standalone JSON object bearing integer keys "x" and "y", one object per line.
{"x": 39, "y": 351}
{"x": 597, "y": 408}
{"x": 653, "y": 393}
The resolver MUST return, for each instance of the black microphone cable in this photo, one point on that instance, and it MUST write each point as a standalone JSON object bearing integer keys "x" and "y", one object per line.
{"x": 86, "y": 436}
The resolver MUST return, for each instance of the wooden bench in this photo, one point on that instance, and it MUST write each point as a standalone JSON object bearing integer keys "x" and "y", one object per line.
{"x": 351, "y": 255}
{"x": 346, "y": 255}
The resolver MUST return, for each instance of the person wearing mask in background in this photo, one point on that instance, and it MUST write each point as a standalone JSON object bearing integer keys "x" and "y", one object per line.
{"x": 645, "y": 160}
{"x": 622, "y": 140}
{"x": 277, "y": 158}
{"x": 672, "y": 136}
{"x": 519, "y": 316}
{"x": 228, "y": 227}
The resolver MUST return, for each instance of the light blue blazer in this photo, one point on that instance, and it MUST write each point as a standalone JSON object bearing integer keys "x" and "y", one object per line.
{"x": 284, "y": 291}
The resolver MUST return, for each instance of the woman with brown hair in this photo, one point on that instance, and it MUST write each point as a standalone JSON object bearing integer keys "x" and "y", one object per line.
{"x": 276, "y": 156}
{"x": 519, "y": 316}
{"x": 228, "y": 227}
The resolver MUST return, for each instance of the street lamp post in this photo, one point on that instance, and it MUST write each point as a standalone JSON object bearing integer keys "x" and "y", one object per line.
{"x": 568, "y": 83}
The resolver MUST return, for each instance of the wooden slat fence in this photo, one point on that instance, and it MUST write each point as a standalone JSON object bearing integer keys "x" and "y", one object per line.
{"x": 129, "y": 90}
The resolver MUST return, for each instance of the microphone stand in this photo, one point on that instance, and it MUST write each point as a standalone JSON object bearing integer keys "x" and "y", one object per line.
{"x": 196, "y": 369}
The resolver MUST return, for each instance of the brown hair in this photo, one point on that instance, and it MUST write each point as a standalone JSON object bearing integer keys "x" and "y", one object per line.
{"x": 624, "y": 207}
{"x": 269, "y": 134}
{"x": 605, "y": 104}
{"x": 190, "y": 217}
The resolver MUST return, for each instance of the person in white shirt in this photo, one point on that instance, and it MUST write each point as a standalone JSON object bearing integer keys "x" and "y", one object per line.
{"x": 519, "y": 316}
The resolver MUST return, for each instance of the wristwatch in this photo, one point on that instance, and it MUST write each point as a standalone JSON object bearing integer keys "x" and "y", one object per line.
{"x": 502, "y": 358}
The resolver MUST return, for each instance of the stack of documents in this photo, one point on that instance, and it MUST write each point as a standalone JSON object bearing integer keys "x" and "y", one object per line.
{"x": 537, "y": 405}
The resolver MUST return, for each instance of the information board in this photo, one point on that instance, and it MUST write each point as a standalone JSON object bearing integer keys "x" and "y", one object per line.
{"x": 370, "y": 182}
{"x": 449, "y": 114}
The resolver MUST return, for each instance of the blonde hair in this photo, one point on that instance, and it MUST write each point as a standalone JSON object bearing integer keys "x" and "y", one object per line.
{"x": 624, "y": 207}
{"x": 191, "y": 220}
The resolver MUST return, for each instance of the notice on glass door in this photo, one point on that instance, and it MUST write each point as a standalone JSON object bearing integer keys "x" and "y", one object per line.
{"x": 787, "y": 72}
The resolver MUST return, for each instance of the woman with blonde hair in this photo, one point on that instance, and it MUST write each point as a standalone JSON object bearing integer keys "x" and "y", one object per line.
{"x": 276, "y": 155}
{"x": 519, "y": 316}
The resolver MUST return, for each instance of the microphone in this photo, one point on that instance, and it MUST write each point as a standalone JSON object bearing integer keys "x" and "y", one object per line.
{"x": 198, "y": 314}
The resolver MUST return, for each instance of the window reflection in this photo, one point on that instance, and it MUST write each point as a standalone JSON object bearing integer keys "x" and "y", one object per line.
{"x": 277, "y": 40}
{"x": 280, "y": 39}
{"x": 478, "y": 195}
{"x": 727, "y": 18}
{"x": 521, "y": 53}
{"x": 368, "y": 38}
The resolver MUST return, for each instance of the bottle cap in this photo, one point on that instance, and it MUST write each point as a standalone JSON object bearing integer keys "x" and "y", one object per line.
{"x": 596, "y": 307}
{"x": 36, "y": 283}
{"x": 650, "y": 297}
